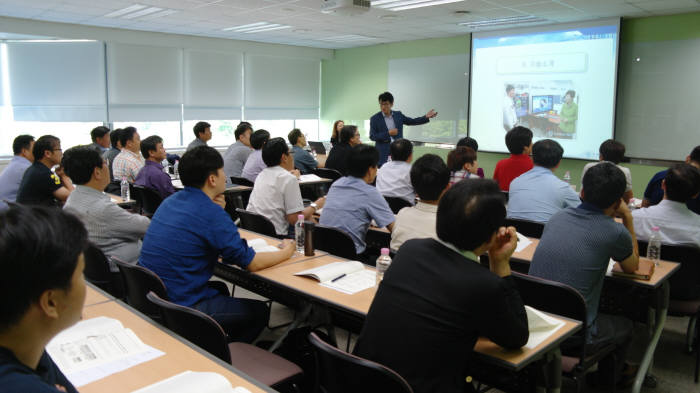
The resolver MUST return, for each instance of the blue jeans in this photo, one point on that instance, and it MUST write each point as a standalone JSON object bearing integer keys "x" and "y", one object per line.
{"x": 241, "y": 319}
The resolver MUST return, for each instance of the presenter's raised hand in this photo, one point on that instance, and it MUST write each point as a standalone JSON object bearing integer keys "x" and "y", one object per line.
{"x": 431, "y": 113}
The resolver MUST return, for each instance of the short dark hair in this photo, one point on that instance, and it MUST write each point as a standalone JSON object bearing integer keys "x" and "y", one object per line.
{"x": 294, "y": 136}
{"x": 612, "y": 150}
{"x": 603, "y": 185}
{"x": 547, "y": 153}
{"x": 241, "y": 129}
{"x": 126, "y": 135}
{"x": 429, "y": 176}
{"x": 44, "y": 143}
{"x": 509, "y": 88}
{"x": 682, "y": 182}
{"x": 361, "y": 158}
{"x": 115, "y": 136}
{"x": 200, "y": 128}
{"x": 470, "y": 212}
{"x": 571, "y": 93}
{"x": 197, "y": 164}
{"x": 386, "y": 97}
{"x": 518, "y": 139}
{"x": 401, "y": 149}
{"x": 79, "y": 162}
{"x": 468, "y": 142}
{"x": 695, "y": 154}
{"x": 98, "y": 132}
{"x": 36, "y": 257}
{"x": 21, "y": 142}
{"x": 258, "y": 139}
{"x": 150, "y": 143}
{"x": 460, "y": 156}
{"x": 273, "y": 151}
{"x": 347, "y": 133}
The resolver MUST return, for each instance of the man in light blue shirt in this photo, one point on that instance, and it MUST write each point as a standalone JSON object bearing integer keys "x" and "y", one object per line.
{"x": 11, "y": 177}
{"x": 352, "y": 203}
{"x": 537, "y": 194}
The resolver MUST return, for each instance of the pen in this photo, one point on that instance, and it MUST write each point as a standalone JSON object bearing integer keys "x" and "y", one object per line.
{"x": 338, "y": 278}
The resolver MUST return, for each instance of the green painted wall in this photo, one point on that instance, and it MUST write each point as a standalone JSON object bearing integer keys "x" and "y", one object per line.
{"x": 351, "y": 81}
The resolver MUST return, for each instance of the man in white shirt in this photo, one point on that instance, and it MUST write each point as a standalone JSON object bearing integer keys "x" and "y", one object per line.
{"x": 129, "y": 162}
{"x": 510, "y": 118}
{"x": 394, "y": 177}
{"x": 276, "y": 194}
{"x": 430, "y": 177}
{"x": 677, "y": 224}
{"x": 613, "y": 151}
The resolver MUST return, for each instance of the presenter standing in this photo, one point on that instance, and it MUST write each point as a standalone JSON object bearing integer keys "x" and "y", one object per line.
{"x": 569, "y": 113}
{"x": 387, "y": 125}
{"x": 510, "y": 118}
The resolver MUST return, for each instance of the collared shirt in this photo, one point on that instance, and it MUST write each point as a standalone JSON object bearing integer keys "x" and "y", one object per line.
{"x": 626, "y": 171}
{"x": 152, "y": 176}
{"x": 276, "y": 193}
{"x": 394, "y": 180}
{"x": 98, "y": 148}
{"x": 204, "y": 231}
{"x": 10, "y": 178}
{"x": 110, "y": 155}
{"x": 127, "y": 164}
{"x": 112, "y": 229}
{"x": 457, "y": 176}
{"x": 303, "y": 160}
{"x": 677, "y": 224}
{"x": 537, "y": 194}
{"x": 389, "y": 121}
{"x": 654, "y": 193}
{"x": 351, "y": 204}
{"x": 195, "y": 143}
{"x": 17, "y": 377}
{"x": 234, "y": 159}
{"x": 38, "y": 185}
{"x": 510, "y": 168}
{"x": 415, "y": 222}
{"x": 253, "y": 165}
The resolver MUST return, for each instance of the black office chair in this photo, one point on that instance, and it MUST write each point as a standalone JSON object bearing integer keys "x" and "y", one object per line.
{"x": 138, "y": 282}
{"x": 97, "y": 272}
{"x": 205, "y": 332}
{"x": 149, "y": 199}
{"x": 256, "y": 223}
{"x": 334, "y": 241}
{"x": 241, "y": 181}
{"x": 505, "y": 195}
{"x": 342, "y": 372}
{"x": 526, "y": 227}
{"x": 328, "y": 173}
{"x": 396, "y": 204}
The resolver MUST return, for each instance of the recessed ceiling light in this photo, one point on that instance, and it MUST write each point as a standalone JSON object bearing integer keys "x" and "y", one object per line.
{"x": 126, "y": 10}
{"x": 400, "y": 5}
{"x": 144, "y": 12}
{"x": 512, "y": 20}
{"x": 257, "y": 27}
{"x": 140, "y": 11}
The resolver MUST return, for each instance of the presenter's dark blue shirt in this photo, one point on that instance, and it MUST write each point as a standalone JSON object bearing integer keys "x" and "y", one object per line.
{"x": 16, "y": 377}
{"x": 187, "y": 235}
{"x": 654, "y": 193}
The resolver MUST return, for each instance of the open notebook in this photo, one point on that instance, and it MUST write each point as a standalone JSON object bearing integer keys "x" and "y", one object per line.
{"x": 541, "y": 326}
{"x": 191, "y": 381}
{"x": 347, "y": 277}
{"x": 260, "y": 245}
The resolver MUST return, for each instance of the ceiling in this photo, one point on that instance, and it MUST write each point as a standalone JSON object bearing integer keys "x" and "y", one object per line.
{"x": 309, "y": 27}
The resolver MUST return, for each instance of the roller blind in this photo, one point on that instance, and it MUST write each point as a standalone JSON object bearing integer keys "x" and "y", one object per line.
{"x": 213, "y": 85}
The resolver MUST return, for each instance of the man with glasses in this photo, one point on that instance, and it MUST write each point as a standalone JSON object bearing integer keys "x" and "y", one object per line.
{"x": 39, "y": 184}
{"x": 303, "y": 161}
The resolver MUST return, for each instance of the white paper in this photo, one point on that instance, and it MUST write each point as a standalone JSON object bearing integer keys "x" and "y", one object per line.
{"x": 191, "y": 381}
{"x": 523, "y": 242}
{"x": 260, "y": 245}
{"x": 541, "y": 326}
{"x": 96, "y": 348}
{"x": 611, "y": 265}
{"x": 177, "y": 183}
{"x": 332, "y": 270}
{"x": 309, "y": 178}
{"x": 353, "y": 282}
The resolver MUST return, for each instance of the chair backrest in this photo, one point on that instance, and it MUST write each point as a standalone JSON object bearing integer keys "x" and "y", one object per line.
{"x": 241, "y": 181}
{"x": 505, "y": 195}
{"x": 334, "y": 241}
{"x": 328, "y": 173}
{"x": 396, "y": 204}
{"x": 685, "y": 283}
{"x": 256, "y": 223}
{"x": 341, "y": 372}
{"x": 97, "y": 271}
{"x": 138, "y": 281}
{"x": 193, "y": 325}
{"x": 526, "y": 227}
{"x": 149, "y": 198}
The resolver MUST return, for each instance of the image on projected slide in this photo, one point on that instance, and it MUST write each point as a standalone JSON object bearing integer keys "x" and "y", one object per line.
{"x": 548, "y": 108}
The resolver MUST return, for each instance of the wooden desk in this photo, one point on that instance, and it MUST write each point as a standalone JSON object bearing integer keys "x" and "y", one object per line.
{"x": 94, "y": 295}
{"x": 121, "y": 202}
{"x": 250, "y": 235}
{"x": 234, "y": 189}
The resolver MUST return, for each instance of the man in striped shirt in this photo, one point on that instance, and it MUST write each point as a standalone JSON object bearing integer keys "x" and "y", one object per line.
{"x": 129, "y": 162}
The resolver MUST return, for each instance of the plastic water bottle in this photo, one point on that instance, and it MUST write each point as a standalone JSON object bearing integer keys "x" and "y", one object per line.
{"x": 177, "y": 173}
{"x": 654, "y": 247}
{"x": 299, "y": 233}
{"x": 125, "y": 189}
{"x": 165, "y": 165}
{"x": 383, "y": 263}
{"x": 567, "y": 177}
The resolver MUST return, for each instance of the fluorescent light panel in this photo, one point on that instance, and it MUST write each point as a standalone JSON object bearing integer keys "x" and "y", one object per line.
{"x": 123, "y": 11}
{"x": 400, "y": 5}
{"x": 258, "y": 27}
{"x": 140, "y": 11}
{"x": 147, "y": 11}
{"x": 503, "y": 21}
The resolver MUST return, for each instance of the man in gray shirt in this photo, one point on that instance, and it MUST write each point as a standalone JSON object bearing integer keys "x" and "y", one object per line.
{"x": 237, "y": 154}
{"x": 115, "y": 231}
{"x": 11, "y": 176}
{"x": 202, "y": 133}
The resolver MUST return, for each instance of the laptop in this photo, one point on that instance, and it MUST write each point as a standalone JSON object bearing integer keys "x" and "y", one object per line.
{"x": 318, "y": 147}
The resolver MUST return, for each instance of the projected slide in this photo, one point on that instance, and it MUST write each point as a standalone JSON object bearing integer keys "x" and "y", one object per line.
{"x": 560, "y": 83}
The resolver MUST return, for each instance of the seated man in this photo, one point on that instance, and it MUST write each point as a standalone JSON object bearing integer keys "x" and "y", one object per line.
{"x": 196, "y": 218}
{"x": 394, "y": 177}
{"x": 430, "y": 178}
{"x": 42, "y": 292}
{"x": 255, "y": 164}
{"x": 114, "y": 151}
{"x": 338, "y": 156}
{"x": 237, "y": 154}
{"x": 202, "y": 134}
{"x": 276, "y": 194}
{"x": 152, "y": 175}
{"x": 129, "y": 162}
{"x": 436, "y": 300}
{"x": 519, "y": 143}
{"x": 537, "y": 194}
{"x": 614, "y": 151}
{"x": 11, "y": 176}
{"x": 112, "y": 229}
{"x": 352, "y": 203}
{"x": 462, "y": 164}
{"x": 471, "y": 142}
{"x": 654, "y": 193}
{"x": 100, "y": 139}
{"x": 303, "y": 160}
{"x": 39, "y": 185}
{"x": 575, "y": 249}
{"x": 677, "y": 224}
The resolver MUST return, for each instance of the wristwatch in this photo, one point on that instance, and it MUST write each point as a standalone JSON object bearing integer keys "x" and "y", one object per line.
{"x": 314, "y": 205}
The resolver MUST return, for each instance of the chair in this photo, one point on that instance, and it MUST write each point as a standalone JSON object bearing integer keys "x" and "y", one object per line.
{"x": 97, "y": 272}
{"x": 205, "y": 332}
{"x": 138, "y": 282}
{"x": 505, "y": 195}
{"x": 328, "y": 173}
{"x": 149, "y": 199}
{"x": 241, "y": 181}
{"x": 397, "y": 204}
{"x": 341, "y": 372}
{"x": 561, "y": 299}
{"x": 256, "y": 223}
{"x": 334, "y": 241}
{"x": 526, "y": 227}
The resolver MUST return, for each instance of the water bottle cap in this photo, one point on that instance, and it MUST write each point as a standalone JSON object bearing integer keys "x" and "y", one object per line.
{"x": 655, "y": 229}
{"x": 385, "y": 251}
{"x": 300, "y": 217}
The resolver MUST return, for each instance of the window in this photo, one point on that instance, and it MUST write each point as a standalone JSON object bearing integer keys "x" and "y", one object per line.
{"x": 222, "y": 131}
{"x": 309, "y": 127}
{"x": 168, "y": 130}
{"x": 70, "y": 133}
